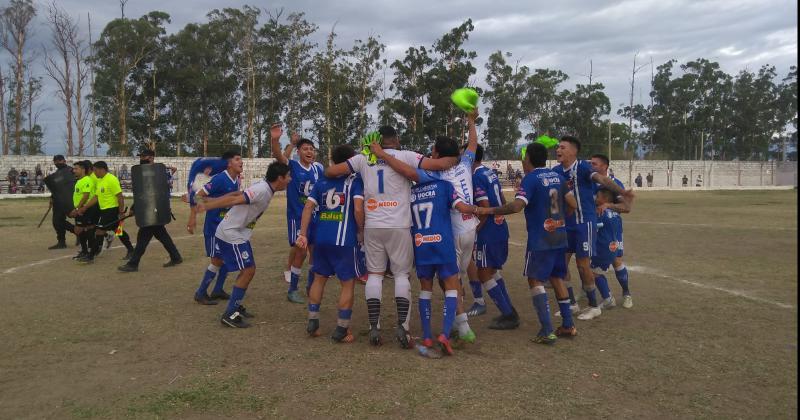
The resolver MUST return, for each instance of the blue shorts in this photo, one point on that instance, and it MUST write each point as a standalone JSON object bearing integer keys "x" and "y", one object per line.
{"x": 236, "y": 257}
{"x": 542, "y": 265}
{"x": 605, "y": 255}
{"x": 209, "y": 242}
{"x": 490, "y": 255}
{"x": 293, "y": 228}
{"x": 428, "y": 271}
{"x": 619, "y": 250}
{"x": 580, "y": 239}
{"x": 345, "y": 262}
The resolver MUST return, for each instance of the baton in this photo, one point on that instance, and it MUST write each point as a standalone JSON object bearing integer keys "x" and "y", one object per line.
{"x": 45, "y": 215}
{"x": 103, "y": 227}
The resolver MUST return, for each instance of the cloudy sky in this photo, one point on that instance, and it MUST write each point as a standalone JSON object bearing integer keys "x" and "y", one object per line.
{"x": 566, "y": 34}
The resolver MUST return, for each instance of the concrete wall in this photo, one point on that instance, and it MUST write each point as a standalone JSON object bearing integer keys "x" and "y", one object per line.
{"x": 666, "y": 173}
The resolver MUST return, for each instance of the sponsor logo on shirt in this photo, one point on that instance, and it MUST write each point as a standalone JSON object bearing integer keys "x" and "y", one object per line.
{"x": 420, "y": 239}
{"x": 499, "y": 220}
{"x": 613, "y": 246}
{"x": 331, "y": 216}
{"x": 373, "y": 204}
{"x": 550, "y": 225}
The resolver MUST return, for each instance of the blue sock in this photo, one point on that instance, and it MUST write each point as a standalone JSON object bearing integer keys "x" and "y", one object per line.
{"x": 211, "y": 271}
{"x": 493, "y": 289}
{"x": 450, "y": 303}
{"x": 223, "y": 273}
{"x": 602, "y": 286}
{"x": 590, "y": 295}
{"x": 477, "y": 289}
{"x": 502, "y": 285}
{"x": 344, "y": 318}
{"x": 310, "y": 279}
{"x": 542, "y": 310}
{"x": 622, "y": 278}
{"x": 295, "y": 279}
{"x": 566, "y": 313}
{"x": 571, "y": 295}
{"x": 237, "y": 295}
{"x": 313, "y": 310}
{"x": 425, "y": 313}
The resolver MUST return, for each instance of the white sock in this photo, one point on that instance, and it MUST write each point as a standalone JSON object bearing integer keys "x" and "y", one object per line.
{"x": 462, "y": 324}
{"x": 287, "y": 275}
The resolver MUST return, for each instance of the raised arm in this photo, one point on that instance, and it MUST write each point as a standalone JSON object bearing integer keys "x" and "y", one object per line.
{"x": 287, "y": 151}
{"x": 439, "y": 164}
{"x": 275, "y": 133}
{"x": 472, "y": 137}
{"x": 609, "y": 183}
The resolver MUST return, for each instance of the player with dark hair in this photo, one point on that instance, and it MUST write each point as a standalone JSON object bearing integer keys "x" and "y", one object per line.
{"x": 543, "y": 195}
{"x": 305, "y": 173}
{"x": 337, "y": 204}
{"x": 108, "y": 195}
{"x": 582, "y": 224}
{"x": 491, "y": 247}
{"x": 609, "y": 241}
{"x": 232, "y": 247}
{"x": 227, "y": 181}
{"x": 619, "y": 205}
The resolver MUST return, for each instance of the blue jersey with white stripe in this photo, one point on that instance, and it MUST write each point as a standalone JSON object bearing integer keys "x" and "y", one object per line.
{"x": 579, "y": 181}
{"x": 609, "y": 236}
{"x": 335, "y": 220}
{"x": 598, "y": 186}
{"x": 219, "y": 185}
{"x": 431, "y": 228}
{"x": 303, "y": 180}
{"x": 543, "y": 192}
{"x": 487, "y": 188}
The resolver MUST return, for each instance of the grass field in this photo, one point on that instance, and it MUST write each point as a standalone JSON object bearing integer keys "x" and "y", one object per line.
{"x": 713, "y": 332}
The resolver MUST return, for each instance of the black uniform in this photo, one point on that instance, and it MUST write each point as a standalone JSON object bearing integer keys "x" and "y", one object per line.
{"x": 60, "y": 222}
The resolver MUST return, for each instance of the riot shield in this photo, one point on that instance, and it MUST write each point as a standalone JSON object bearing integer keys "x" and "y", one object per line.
{"x": 150, "y": 195}
{"x": 61, "y": 184}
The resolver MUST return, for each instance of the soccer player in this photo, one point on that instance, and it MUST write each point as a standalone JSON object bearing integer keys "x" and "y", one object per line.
{"x": 620, "y": 205}
{"x": 108, "y": 195}
{"x": 543, "y": 195}
{"x": 582, "y": 224}
{"x": 609, "y": 238}
{"x": 386, "y": 233}
{"x": 83, "y": 223}
{"x": 232, "y": 245}
{"x": 491, "y": 247}
{"x": 220, "y": 184}
{"x": 305, "y": 173}
{"x": 339, "y": 207}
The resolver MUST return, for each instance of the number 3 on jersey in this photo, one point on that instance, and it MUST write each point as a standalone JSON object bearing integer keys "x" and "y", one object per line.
{"x": 427, "y": 208}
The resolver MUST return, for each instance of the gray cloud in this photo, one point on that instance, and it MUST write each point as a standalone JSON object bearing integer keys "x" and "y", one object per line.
{"x": 565, "y": 35}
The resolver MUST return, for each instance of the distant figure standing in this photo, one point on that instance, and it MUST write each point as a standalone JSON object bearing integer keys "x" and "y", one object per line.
{"x": 649, "y": 179}
{"x": 638, "y": 180}
{"x": 38, "y": 175}
{"x": 12, "y": 180}
{"x": 699, "y": 182}
{"x": 685, "y": 180}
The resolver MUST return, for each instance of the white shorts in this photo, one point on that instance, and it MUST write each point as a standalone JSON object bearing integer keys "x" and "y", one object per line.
{"x": 389, "y": 244}
{"x": 465, "y": 243}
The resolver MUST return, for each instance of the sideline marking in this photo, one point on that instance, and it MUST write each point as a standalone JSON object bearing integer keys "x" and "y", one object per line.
{"x": 652, "y": 272}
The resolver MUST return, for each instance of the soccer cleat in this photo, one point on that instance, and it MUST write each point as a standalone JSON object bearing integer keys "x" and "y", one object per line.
{"x": 127, "y": 268}
{"x": 294, "y": 297}
{"x": 444, "y": 345}
{"x": 469, "y": 337}
{"x": 234, "y": 320}
{"x": 342, "y": 335}
{"x": 566, "y": 332}
{"x": 80, "y": 255}
{"x": 627, "y": 301}
{"x": 405, "y": 339}
{"x": 60, "y": 245}
{"x": 127, "y": 256}
{"x": 549, "y": 339}
{"x": 172, "y": 263}
{"x": 243, "y": 312}
{"x": 204, "y": 299}
{"x": 476, "y": 310}
{"x": 608, "y": 303}
{"x": 428, "y": 351}
{"x": 219, "y": 295}
{"x": 313, "y": 327}
{"x": 109, "y": 239}
{"x": 591, "y": 312}
{"x": 509, "y": 322}
{"x": 86, "y": 259}
{"x": 375, "y": 336}
{"x": 574, "y": 308}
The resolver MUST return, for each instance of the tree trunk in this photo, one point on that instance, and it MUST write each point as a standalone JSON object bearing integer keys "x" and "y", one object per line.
{"x": 18, "y": 97}
{"x": 3, "y": 125}
{"x": 122, "y": 108}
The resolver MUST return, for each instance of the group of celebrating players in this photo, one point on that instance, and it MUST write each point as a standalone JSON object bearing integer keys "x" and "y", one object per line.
{"x": 388, "y": 209}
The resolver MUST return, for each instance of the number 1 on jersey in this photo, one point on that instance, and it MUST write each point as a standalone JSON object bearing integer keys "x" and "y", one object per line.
{"x": 380, "y": 181}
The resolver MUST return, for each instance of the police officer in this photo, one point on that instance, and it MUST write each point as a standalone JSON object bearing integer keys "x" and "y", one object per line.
{"x": 146, "y": 233}
{"x": 60, "y": 223}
